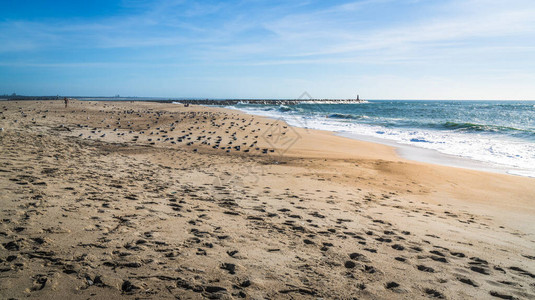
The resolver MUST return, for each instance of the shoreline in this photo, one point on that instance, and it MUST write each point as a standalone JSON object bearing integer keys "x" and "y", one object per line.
{"x": 479, "y": 178}
{"x": 431, "y": 156}
{"x": 111, "y": 200}
{"x": 424, "y": 155}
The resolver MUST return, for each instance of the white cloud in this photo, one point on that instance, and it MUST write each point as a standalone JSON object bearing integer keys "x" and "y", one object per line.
{"x": 446, "y": 39}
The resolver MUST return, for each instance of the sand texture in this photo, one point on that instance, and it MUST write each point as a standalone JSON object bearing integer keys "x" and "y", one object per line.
{"x": 105, "y": 200}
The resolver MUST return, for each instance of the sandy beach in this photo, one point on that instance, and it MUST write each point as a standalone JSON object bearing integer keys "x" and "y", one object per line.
{"x": 105, "y": 200}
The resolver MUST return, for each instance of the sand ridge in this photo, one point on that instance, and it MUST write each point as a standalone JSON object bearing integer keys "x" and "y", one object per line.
{"x": 144, "y": 200}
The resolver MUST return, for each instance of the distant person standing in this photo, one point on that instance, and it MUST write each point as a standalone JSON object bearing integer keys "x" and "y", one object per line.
{"x": 66, "y": 100}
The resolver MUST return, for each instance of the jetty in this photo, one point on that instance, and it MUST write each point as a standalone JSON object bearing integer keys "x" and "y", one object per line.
{"x": 227, "y": 102}
{"x": 221, "y": 102}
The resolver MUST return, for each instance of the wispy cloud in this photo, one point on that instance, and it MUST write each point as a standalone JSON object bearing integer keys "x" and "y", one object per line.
{"x": 488, "y": 22}
{"x": 299, "y": 32}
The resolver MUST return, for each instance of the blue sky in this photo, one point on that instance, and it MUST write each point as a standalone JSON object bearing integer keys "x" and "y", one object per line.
{"x": 380, "y": 49}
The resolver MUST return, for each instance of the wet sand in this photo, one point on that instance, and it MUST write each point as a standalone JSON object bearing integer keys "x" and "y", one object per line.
{"x": 104, "y": 200}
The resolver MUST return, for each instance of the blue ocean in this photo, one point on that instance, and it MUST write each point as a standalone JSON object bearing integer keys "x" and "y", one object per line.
{"x": 497, "y": 133}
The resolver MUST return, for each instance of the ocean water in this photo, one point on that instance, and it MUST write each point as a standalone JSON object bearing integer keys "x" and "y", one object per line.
{"x": 500, "y": 134}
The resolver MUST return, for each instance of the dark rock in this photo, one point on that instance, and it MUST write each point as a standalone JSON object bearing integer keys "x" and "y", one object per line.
{"x": 11, "y": 246}
{"x": 468, "y": 281}
{"x": 391, "y": 285}
{"x": 349, "y": 264}
{"x": 11, "y": 258}
{"x": 245, "y": 283}
{"x": 231, "y": 268}
{"x": 214, "y": 289}
{"x": 440, "y": 259}
{"x": 480, "y": 270}
{"x": 501, "y": 296}
{"x": 132, "y": 265}
{"x": 127, "y": 286}
{"x": 426, "y": 269}
{"x": 398, "y": 247}
{"x": 434, "y": 293}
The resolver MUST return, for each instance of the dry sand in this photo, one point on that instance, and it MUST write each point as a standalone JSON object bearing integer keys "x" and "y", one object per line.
{"x": 118, "y": 199}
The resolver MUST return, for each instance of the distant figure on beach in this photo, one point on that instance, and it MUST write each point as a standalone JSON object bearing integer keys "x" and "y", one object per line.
{"x": 66, "y": 100}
